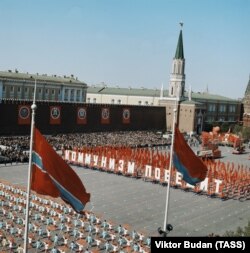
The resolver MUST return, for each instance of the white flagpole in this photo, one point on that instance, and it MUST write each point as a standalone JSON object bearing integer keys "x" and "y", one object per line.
{"x": 170, "y": 170}
{"x": 33, "y": 107}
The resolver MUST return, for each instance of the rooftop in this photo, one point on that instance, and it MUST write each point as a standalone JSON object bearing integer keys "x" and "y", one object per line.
{"x": 104, "y": 89}
{"x": 39, "y": 77}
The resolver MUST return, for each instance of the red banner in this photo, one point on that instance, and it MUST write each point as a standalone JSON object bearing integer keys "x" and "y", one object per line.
{"x": 81, "y": 115}
{"x": 23, "y": 115}
{"x": 105, "y": 116}
{"x": 126, "y": 116}
{"x": 55, "y": 115}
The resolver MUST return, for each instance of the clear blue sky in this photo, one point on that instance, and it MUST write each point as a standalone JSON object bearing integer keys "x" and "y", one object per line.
{"x": 130, "y": 42}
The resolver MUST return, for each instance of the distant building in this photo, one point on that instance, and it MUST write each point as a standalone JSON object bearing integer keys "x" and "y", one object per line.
{"x": 195, "y": 110}
{"x": 246, "y": 104}
{"x": 15, "y": 85}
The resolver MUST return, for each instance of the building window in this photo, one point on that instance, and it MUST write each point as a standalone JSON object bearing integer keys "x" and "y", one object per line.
{"x": 139, "y": 102}
{"x": 46, "y": 94}
{"x": 88, "y": 100}
{"x": 231, "y": 119}
{"x": 18, "y": 89}
{"x": 77, "y": 95}
{"x": 94, "y": 100}
{"x": 119, "y": 101}
{"x": 221, "y": 119}
{"x": 222, "y": 108}
{"x": 39, "y": 90}
{"x": 12, "y": 88}
{"x": 211, "y": 108}
{"x": 66, "y": 95}
{"x": 53, "y": 92}
{"x": 146, "y": 102}
{"x": 232, "y": 108}
{"x": 112, "y": 101}
{"x": 26, "y": 93}
{"x": 72, "y": 95}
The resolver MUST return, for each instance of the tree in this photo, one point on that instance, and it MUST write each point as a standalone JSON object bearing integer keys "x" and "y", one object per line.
{"x": 237, "y": 129}
{"x": 246, "y": 133}
{"x": 239, "y": 232}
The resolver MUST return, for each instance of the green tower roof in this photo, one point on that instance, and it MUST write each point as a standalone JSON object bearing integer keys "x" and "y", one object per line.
{"x": 179, "y": 54}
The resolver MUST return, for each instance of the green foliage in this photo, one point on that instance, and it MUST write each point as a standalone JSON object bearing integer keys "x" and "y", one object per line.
{"x": 237, "y": 129}
{"x": 224, "y": 127}
{"x": 246, "y": 133}
{"x": 239, "y": 232}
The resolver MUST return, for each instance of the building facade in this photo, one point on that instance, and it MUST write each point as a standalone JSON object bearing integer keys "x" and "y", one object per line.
{"x": 15, "y": 85}
{"x": 246, "y": 104}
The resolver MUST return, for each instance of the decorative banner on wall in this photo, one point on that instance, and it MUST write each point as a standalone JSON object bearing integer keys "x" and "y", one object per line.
{"x": 126, "y": 116}
{"x": 105, "y": 116}
{"x": 23, "y": 114}
{"x": 81, "y": 118}
{"x": 55, "y": 115}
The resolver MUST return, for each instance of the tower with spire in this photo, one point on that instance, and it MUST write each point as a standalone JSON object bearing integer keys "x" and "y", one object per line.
{"x": 177, "y": 76}
{"x": 246, "y": 105}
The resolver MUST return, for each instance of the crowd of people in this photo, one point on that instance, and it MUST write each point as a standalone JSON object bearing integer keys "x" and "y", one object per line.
{"x": 15, "y": 149}
{"x": 55, "y": 227}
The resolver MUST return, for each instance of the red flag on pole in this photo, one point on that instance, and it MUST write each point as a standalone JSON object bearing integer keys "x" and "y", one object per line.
{"x": 186, "y": 162}
{"x": 51, "y": 175}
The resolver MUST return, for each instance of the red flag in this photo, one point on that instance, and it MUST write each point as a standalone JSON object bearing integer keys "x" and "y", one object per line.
{"x": 23, "y": 115}
{"x": 81, "y": 115}
{"x": 186, "y": 162}
{"x": 105, "y": 116}
{"x": 126, "y": 116}
{"x": 51, "y": 175}
{"x": 55, "y": 115}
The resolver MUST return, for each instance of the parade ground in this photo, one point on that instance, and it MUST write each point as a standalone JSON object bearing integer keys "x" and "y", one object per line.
{"x": 141, "y": 205}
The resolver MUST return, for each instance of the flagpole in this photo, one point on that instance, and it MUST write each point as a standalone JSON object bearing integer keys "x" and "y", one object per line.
{"x": 165, "y": 228}
{"x": 33, "y": 108}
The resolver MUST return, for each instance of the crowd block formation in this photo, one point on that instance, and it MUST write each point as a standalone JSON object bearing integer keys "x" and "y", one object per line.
{"x": 56, "y": 227}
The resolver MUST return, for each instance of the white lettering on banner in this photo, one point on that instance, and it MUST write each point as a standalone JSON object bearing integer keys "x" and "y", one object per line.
{"x": 111, "y": 163}
{"x": 87, "y": 158}
{"x": 95, "y": 160}
{"x": 104, "y": 161}
{"x": 178, "y": 178}
{"x": 131, "y": 167}
{"x": 204, "y": 185}
{"x": 157, "y": 173}
{"x": 190, "y": 186}
{"x": 80, "y": 158}
{"x": 73, "y": 156}
{"x": 217, "y": 185}
{"x": 67, "y": 155}
{"x": 166, "y": 177}
{"x": 121, "y": 165}
{"x": 148, "y": 171}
